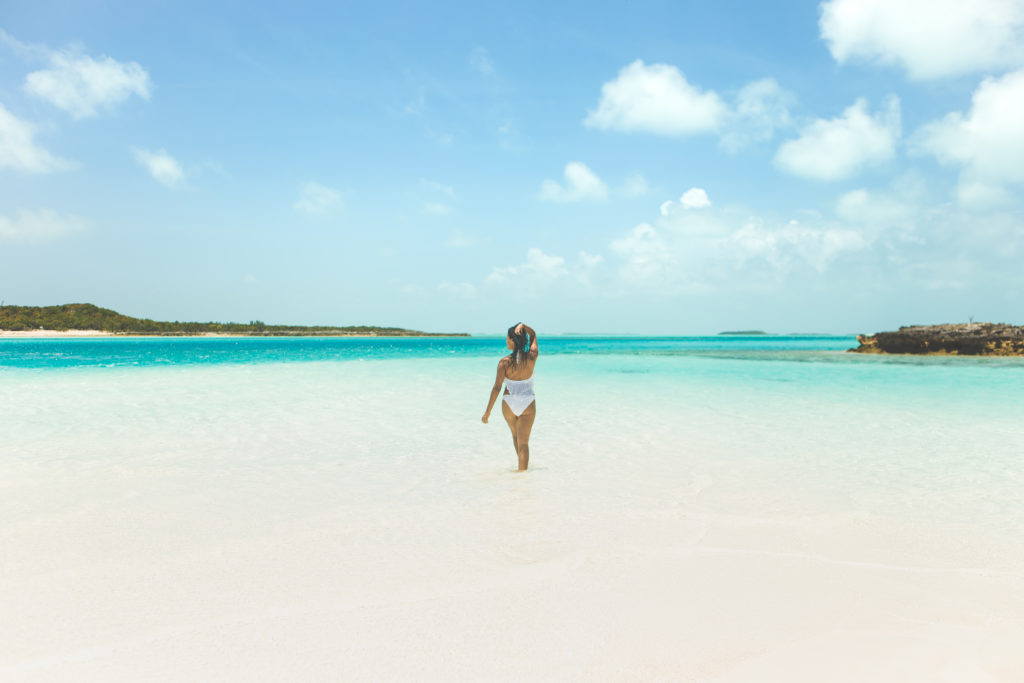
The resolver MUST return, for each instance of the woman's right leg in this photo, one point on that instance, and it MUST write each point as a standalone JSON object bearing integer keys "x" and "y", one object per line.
{"x": 522, "y": 435}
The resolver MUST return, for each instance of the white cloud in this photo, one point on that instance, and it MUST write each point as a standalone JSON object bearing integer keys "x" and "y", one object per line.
{"x": 580, "y": 183}
{"x": 43, "y": 225}
{"x": 816, "y": 246}
{"x": 458, "y": 290}
{"x": 18, "y": 149}
{"x": 23, "y": 50}
{"x": 698, "y": 250}
{"x": 82, "y": 85}
{"x": 317, "y": 199}
{"x": 833, "y": 149}
{"x": 987, "y": 142}
{"x": 480, "y": 60}
{"x": 928, "y": 38}
{"x": 634, "y": 186}
{"x": 762, "y": 107}
{"x": 164, "y": 168}
{"x": 655, "y": 99}
{"x": 539, "y": 267}
{"x": 695, "y": 198}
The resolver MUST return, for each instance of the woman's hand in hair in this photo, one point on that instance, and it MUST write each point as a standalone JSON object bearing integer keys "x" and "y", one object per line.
{"x": 519, "y": 328}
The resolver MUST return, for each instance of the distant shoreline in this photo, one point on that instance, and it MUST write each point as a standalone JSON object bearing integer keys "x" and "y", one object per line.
{"x": 89, "y": 320}
{"x": 93, "y": 334}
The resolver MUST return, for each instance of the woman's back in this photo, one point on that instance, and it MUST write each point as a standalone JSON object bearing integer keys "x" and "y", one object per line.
{"x": 522, "y": 369}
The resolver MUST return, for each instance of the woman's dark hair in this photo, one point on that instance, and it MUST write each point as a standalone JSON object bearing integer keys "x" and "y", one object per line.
{"x": 520, "y": 344}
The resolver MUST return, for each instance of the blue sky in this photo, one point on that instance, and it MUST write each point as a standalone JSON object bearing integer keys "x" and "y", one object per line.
{"x": 665, "y": 168}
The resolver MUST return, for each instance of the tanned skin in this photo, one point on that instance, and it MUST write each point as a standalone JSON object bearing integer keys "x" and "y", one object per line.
{"x": 520, "y": 425}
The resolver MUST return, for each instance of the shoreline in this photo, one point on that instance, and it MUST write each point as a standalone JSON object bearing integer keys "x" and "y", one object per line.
{"x": 87, "y": 334}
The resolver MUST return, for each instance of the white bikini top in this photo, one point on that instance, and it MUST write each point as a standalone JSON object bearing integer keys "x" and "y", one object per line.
{"x": 519, "y": 386}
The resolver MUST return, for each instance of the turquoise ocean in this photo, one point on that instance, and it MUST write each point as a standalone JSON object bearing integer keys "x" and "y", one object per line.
{"x": 181, "y": 488}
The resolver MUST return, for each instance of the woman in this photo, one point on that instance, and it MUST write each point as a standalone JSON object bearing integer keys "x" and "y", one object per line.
{"x": 518, "y": 405}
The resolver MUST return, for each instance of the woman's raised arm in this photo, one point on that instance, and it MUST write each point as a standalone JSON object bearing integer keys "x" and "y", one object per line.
{"x": 523, "y": 327}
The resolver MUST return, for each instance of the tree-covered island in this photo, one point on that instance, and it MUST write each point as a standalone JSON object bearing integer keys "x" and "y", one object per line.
{"x": 90, "y": 317}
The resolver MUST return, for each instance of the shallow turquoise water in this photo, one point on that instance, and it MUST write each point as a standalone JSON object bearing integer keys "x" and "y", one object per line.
{"x": 931, "y": 437}
{"x": 105, "y": 352}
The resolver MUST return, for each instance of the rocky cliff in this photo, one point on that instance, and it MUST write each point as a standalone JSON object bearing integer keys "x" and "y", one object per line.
{"x": 966, "y": 339}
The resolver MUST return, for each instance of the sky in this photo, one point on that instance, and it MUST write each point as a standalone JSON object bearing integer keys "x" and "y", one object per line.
{"x": 647, "y": 168}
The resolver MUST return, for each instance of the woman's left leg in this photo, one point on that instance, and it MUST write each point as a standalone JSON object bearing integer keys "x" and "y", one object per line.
{"x": 513, "y": 424}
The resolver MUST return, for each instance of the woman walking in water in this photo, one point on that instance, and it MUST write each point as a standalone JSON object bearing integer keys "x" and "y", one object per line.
{"x": 518, "y": 405}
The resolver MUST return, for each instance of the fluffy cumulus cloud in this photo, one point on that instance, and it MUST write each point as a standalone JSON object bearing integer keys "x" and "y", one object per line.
{"x": 164, "y": 168}
{"x": 82, "y": 85}
{"x": 987, "y": 142}
{"x": 928, "y": 38}
{"x": 833, "y": 149}
{"x": 580, "y": 183}
{"x": 658, "y": 99}
{"x": 780, "y": 245}
{"x": 655, "y": 98}
{"x": 694, "y": 198}
{"x": 18, "y": 149}
{"x": 316, "y": 199}
{"x": 698, "y": 250}
{"x": 43, "y": 225}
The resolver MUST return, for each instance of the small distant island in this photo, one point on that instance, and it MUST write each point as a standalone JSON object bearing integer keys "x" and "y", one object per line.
{"x": 90, "y": 319}
{"x": 964, "y": 339}
{"x": 743, "y": 333}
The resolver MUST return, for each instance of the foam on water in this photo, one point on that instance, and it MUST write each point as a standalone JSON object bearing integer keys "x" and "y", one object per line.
{"x": 694, "y": 508}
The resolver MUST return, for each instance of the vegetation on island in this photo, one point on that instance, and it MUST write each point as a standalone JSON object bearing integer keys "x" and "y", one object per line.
{"x": 90, "y": 317}
{"x": 743, "y": 333}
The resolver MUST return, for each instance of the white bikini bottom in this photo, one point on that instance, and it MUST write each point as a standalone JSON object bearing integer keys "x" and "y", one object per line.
{"x": 519, "y": 402}
{"x": 520, "y": 394}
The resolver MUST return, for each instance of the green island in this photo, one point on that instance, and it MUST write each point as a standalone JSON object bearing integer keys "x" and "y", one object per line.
{"x": 90, "y": 317}
{"x": 743, "y": 333}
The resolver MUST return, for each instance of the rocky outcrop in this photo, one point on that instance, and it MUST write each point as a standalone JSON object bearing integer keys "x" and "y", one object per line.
{"x": 965, "y": 339}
